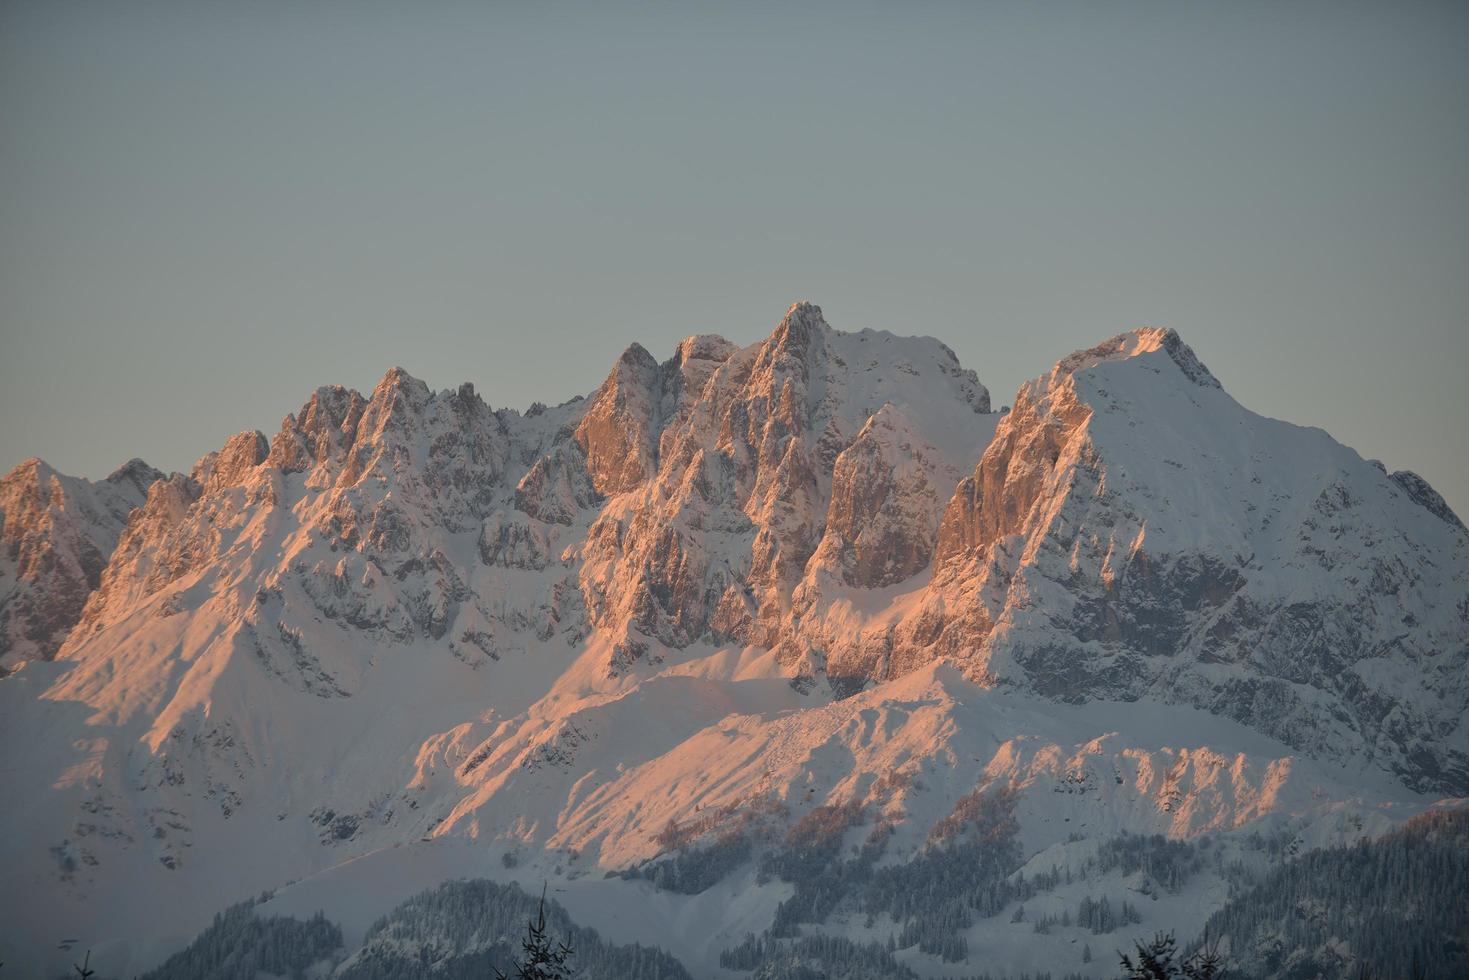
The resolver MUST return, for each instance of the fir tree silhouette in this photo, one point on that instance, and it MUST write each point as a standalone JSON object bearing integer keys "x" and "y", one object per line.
{"x": 1155, "y": 961}
{"x": 543, "y": 959}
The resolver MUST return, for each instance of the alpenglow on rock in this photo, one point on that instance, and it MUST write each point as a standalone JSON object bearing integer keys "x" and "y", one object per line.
{"x": 57, "y": 533}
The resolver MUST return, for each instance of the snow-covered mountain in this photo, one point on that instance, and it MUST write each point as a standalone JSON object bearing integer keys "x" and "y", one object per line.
{"x": 813, "y": 586}
{"x": 1132, "y": 532}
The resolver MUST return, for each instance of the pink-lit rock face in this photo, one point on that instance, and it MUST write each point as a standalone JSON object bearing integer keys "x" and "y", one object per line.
{"x": 717, "y": 542}
{"x": 885, "y": 491}
{"x": 57, "y": 533}
{"x": 728, "y": 590}
{"x": 619, "y": 432}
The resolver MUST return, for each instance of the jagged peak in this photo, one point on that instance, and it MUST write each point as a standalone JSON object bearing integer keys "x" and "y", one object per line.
{"x": 330, "y": 408}
{"x": 397, "y": 397}
{"x": 466, "y": 403}
{"x": 804, "y": 311}
{"x": 1133, "y": 343}
{"x": 31, "y": 468}
{"x": 704, "y": 347}
{"x": 634, "y": 370}
{"x": 636, "y": 355}
{"x": 326, "y": 422}
{"x": 227, "y": 466}
{"x": 330, "y": 404}
{"x": 695, "y": 360}
{"x": 635, "y": 367}
{"x": 618, "y": 432}
{"x": 398, "y": 379}
{"x": 802, "y": 322}
{"x": 41, "y": 473}
{"x": 137, "y": 473}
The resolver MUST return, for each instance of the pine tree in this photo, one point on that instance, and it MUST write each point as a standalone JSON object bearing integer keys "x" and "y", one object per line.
{"x": 1206, "y": 963}
{"x": 544, "y": 961}
{"x": 1154, "y": 960}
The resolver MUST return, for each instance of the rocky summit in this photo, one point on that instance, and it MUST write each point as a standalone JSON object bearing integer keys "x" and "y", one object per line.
{"x": 734, "y": 612}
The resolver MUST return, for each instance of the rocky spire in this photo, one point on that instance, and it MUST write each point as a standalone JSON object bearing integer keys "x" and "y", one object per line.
{"x": 619, "y": 432}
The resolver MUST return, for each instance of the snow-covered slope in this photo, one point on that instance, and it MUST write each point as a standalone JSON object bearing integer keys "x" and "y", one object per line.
{"x": 721, "y": 593}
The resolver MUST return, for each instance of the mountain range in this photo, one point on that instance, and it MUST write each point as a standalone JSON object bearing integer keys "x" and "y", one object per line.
{"x": 738, "y": 652}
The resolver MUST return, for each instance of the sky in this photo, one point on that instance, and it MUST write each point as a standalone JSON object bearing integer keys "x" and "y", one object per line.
{"x": 207, "y": 210}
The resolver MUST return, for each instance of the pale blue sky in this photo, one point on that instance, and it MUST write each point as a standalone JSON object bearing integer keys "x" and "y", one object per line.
{"x": 208, "y": 209}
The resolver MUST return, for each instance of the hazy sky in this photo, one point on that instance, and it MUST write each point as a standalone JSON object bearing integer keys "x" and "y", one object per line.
{"x": 207, "y": 210}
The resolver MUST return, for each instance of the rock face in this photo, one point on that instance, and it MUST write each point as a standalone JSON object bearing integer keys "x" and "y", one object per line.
{"x": 619, "y": 431}
{"x": 57, "y": 533}
{"x": 410, "y": 615}
{"x": 880, "y": 525}
{"x": 714, "y": 544}
{"x": 558, "y": 486}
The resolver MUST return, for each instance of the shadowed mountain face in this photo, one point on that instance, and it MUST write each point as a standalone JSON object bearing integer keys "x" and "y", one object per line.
{"x": 738, "y": 581}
